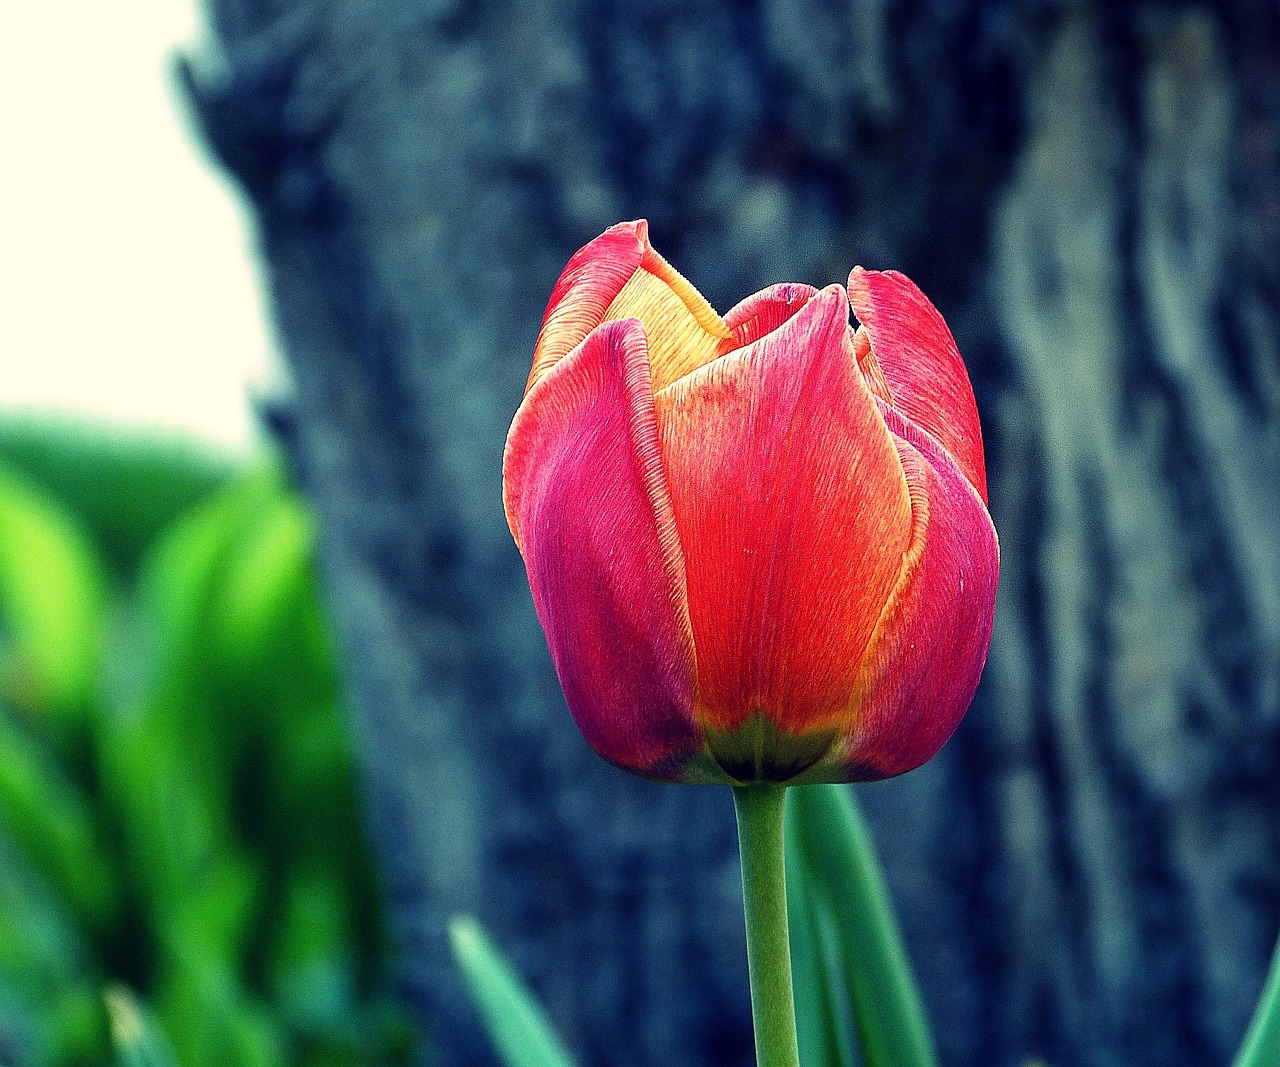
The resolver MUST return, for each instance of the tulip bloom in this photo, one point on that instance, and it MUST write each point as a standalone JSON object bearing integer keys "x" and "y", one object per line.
{"x": 758, "y": 544}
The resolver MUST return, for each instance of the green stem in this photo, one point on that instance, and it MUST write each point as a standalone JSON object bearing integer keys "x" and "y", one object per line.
{"x": 764, "y": 899}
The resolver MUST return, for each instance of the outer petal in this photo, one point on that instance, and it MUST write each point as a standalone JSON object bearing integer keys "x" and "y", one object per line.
{"x": 921, "y": 364}
{"x": 794, "y": 515}
{"x": 588, "y": 503}
{"x": 923, "y": 663}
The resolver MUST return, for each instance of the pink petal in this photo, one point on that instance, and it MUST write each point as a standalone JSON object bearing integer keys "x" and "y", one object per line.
{"x": 618, "y": 276}
{"x": 765, "y": 312}
{"x": 921, "y": 364}
{"x": 588, "y": 503}
{"x": 923, "y": 663}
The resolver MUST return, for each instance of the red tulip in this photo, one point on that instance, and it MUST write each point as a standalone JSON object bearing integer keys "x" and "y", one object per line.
{"x": 759, "y": 545}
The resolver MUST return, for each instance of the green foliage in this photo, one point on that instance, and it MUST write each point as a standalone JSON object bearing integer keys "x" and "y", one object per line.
{"x": 844, "y": 911}
{"x": 1261, "y": 1047}
{"x": 53, "y": 593}
{"x": 137, "y": 1040}
{"x": 178, "y": 821}
{"x": 817, "y": 978}
{"x": 123, "y": 485}
{"x": 516, "y": 1024}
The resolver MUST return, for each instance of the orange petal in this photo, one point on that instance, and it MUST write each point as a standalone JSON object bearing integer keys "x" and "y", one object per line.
{"x": 869, "y": 366}
{"x": 794, "y": 515}
{"x": 919, "y": 360}
{"x": 684, "y": 331}
{"x": 587, "y": 501}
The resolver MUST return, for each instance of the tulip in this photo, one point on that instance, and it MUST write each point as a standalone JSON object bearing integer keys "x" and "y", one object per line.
{"x": 759, "y": 545}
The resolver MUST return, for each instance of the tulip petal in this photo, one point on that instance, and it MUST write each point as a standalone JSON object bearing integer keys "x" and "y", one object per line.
{"x": 923, "y": 663}
{"x": 920, "y": 362}
{"x": 684, "y": 331}
{"x": 619, "y": 276}
{"x": 765, "y": 312}
{"x": 588, "y": 503}
{"x": 795, "y": 518}
{"x": 596, "y": 274}
{"x": 869, "y": 366}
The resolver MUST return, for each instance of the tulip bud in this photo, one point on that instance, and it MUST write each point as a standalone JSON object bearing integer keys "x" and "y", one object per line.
{"x": 758, "y": 544}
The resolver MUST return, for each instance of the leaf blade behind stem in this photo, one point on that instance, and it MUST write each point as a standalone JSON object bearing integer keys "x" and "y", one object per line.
{"x": 893, "y": 1030}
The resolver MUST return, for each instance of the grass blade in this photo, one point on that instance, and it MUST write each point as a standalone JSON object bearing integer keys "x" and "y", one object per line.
{"x": 1261, "y": 1046}
{"x": 137, "y": 1039}
{"x": 514, "y": 1021}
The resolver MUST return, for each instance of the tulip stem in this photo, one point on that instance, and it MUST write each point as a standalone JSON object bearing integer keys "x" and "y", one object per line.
{"x": 760, "y": 809}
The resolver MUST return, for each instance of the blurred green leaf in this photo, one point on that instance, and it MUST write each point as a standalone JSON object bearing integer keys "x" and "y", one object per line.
{"x": 212, "y": 1019}
{"x": 167, "y": 745}
{"x": 264, "y": 583}
{"x": 48, "y": 1001}
{"x": 172, "y": 832}
{"x": 807, "y": 977}
{"x": 1261, "y": 1047}
{"x": 210, "y": 801}
{"x": 39, "y": 941}
{"x": 888, "y": 1012}
{"x": 817, "y": 976}
{"x": 313, "y": 965}
{"x": 181, "y": 573}
{"x": 513, "y": 1019}
{"x": 51, "y": 820}
{"x": 52, "y": 606}
{"x": 138, "y": 1040}
{"x": 125, "y": 485}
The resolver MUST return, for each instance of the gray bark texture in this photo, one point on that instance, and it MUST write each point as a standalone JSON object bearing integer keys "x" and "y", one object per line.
{"x": 1090, "y": 192}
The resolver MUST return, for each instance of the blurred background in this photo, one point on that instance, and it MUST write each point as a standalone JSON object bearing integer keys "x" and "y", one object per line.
{"x": 179, "y": 835}
{"x": 273, "y": 700}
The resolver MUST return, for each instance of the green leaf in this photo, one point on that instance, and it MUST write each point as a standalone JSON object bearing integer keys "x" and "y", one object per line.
{"x": 313, "y": 967}
{"x": 890, "y": 1018}
{"x": 807, "y": 979}
{"x": 1261, "y": 1046}
{"x": 817, "y": 976}
{"x": 837, "y": 988}
{"x": 49, "y": 1003}
{"x": 52, "y": 606}
{"x": 51, "y": 820}
{"x": 167, "y": 743}
{"x": 40, "y": 944}
{"x": 138, "y": 1040}
{"x": 513, "y": 1019}
{"x": 211, "y": 1017}
{"x": 124, "y": 484}
{"x": 266, "y": 577}
{"x": 179, "y": 579}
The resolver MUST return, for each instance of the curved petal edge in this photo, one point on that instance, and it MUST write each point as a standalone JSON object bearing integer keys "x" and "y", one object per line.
{"x": 917, "y": 355}
{"x": 589, "y": 283}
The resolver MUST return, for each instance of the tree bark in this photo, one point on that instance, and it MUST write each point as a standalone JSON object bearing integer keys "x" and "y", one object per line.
{"x": 1090, "y": 192}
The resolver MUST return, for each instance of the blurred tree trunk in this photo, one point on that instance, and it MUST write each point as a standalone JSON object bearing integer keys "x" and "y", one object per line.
{"x": 1090, "y": 192}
